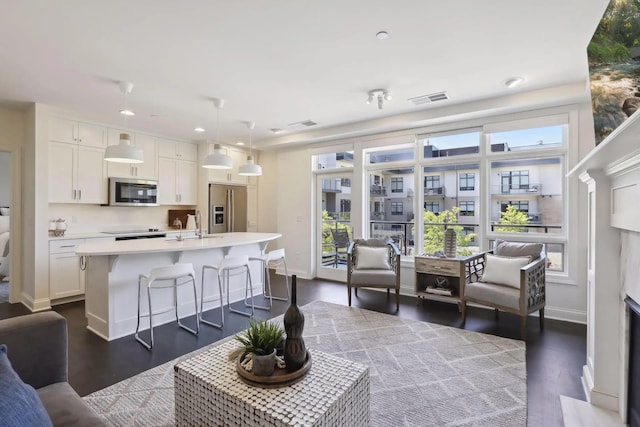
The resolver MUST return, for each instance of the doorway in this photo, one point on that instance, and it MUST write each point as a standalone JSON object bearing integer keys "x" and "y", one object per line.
{"x": 333, "y": 225}
{"x": 5, "y": 225}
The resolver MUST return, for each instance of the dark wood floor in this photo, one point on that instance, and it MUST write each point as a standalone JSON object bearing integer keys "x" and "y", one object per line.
{"x": 555, "y": 356}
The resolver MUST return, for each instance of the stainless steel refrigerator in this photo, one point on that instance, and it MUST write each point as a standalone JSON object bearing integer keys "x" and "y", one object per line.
{"x": 227, "y": 208}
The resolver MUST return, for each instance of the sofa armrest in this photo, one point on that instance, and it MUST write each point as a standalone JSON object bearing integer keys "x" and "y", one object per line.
{"x": 37, "y": 347}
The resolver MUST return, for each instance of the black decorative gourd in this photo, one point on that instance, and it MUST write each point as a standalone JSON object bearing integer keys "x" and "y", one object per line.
{"x": 295, "y": 351}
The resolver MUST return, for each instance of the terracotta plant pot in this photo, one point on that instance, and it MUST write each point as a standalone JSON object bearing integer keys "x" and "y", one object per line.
{"x": 263, "y": 366}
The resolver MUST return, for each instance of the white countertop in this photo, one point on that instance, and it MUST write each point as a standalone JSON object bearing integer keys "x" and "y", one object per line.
{"x": 98, "y": 234}
{"x": 139, "y": 246}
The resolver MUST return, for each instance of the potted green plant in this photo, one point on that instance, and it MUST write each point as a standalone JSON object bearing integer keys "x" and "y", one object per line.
{"x": 261, "y": 339}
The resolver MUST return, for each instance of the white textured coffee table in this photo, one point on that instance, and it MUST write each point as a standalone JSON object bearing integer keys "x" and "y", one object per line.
{"x": 208, "y": 392}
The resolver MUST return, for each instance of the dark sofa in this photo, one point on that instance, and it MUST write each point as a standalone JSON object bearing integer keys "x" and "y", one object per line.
{"x": 37, "y": 349}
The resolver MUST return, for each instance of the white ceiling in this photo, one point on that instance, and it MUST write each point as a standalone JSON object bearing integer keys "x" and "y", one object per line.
{"x": 279, "y": 62}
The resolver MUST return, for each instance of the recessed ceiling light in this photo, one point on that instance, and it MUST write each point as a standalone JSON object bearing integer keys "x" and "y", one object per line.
{"x": 276, "y": 130}
{"x": 513, "y": 82}
{"x": 198, "y": 129}
{"x": 382, "y": 35}
{"x": 127, "y": 113}
{"x": 239, "y": 143}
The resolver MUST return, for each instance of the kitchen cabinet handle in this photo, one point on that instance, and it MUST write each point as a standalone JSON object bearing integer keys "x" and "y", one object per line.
{"x": 79, "y": 194}
{"x": 83, "y": 263}
{"x": 74, "y": 194}
{"x": 67, "y": 246}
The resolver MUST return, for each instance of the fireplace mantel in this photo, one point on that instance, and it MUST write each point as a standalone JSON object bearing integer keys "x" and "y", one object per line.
{"x": 612, "y": 174}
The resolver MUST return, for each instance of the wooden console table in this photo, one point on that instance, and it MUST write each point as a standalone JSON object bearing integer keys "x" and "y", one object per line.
{"x": 208, "y": 392}
{"x": 454, "y": 272}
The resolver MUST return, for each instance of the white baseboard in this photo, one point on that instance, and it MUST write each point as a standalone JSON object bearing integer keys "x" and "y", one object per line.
{"x": 36, "y": 305}
{"x": 565, "y": 314}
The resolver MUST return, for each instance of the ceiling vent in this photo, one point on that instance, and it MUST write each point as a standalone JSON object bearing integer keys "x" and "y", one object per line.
{"x": 304, "y": 123}
{"x": 427, "y": 99}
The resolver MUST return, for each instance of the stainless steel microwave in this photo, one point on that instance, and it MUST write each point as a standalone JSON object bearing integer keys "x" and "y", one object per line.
{"x": 133, "y": 192}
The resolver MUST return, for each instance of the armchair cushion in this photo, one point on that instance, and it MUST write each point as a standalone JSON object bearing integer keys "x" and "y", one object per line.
{"x": 381, "y": 241}
{"x": 373, "y": 278}
{"x": 495, "y": 294}
{"x": 517, "y": 249}
{"x": 504, "y": 271}
{"x": 372, "y": 258}
{"x": 19, "y": 402}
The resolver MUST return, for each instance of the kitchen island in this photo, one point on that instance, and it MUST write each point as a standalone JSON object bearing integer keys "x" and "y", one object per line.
{"x": 112, "y": 270}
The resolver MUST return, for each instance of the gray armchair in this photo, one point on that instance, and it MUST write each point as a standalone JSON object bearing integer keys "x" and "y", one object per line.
{"x": 37, "y": 349}
{"x": 513, "y": 281}
{"x": 373, "y": 263}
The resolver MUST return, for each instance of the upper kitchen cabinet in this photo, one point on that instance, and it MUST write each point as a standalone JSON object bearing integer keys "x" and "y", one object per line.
{"x": 76, "y": 174}
{"x": 77, "y": 170}
{"x": 178, "y": 182}
{"x": 74, "y": 132}
{"x": 146, "y": 170}
{"x": 178, "y": 150}
{"x": 238, "y": 157}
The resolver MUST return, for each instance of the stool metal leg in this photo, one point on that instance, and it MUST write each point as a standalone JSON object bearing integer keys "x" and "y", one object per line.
{"x": 202, "y": 301}
{"x": 248, "y": 281}
{"x": 137, "y": 336}
{"x": 249, "y": 286}
{"x": 286, "y": 278}
{"x": 186, "y": 328}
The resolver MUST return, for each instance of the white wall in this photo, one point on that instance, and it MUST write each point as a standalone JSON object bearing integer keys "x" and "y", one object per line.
{"x": 5, "y": 179}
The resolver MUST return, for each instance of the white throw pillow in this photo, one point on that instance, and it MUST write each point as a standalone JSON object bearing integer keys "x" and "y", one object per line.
{"x": 5, "y": 211}
{"x": 504, "y": 270}
{"x": 372, "y": 258}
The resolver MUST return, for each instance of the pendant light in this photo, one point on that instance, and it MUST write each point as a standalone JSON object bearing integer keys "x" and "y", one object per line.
{"x": 218, "y": 159}
{"x": 250, "y": 168}
{"x": 124, "y": 152}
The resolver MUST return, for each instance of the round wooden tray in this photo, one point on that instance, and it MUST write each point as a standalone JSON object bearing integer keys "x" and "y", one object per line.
{"x": 280, "y": 377}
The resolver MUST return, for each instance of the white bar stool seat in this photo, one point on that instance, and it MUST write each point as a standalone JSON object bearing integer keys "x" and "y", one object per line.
{"x": 163, "y": 274}
{"x": 272, "y": 259}
{"x": 230, "y": 266}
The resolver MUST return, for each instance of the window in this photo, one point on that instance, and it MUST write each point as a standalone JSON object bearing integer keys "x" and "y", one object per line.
{"x": 538, "y": 184}
{"x": 397, "y": 185}
{"x": 535, "y": 138}
{"x": 467, "y": 208}
{"x": 431, "y": 181}
{"x": 345, "y": 206}
{"x": 397, "y": 208}
{"x": 514, "y": 180}
{"x": 345, "y": 182}
{"x": 432, "y": 207}
{"x": 448, "y": 144}
{"x": 467, "y": 181}
{"x": 377, "y": 207}
{"x": 343, "y": 159}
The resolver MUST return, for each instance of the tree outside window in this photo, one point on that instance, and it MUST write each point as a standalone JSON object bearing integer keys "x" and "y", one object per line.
{"x": 434, "y": 227}
{"x": 511, "y": 216}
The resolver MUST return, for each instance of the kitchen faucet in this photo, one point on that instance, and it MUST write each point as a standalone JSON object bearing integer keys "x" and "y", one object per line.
{"x": 178, "y": 223}
{"x": 199, "y": 225}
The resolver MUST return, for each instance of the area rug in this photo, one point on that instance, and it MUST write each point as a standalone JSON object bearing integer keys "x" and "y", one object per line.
{"x": 4, "y": 291}
{"x": 421, "y": 374}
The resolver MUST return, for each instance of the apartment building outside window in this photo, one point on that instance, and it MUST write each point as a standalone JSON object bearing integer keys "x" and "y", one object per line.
{"x": 514, "y": 180}
{"x": 467, "y": 181}
{"x": 397, "y": 185}
{"x": 432, "y": 207}
{"x": 467, "y": 208}
{"x": 397, "y": 208}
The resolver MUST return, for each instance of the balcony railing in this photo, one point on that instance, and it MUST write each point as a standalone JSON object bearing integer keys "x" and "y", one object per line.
{"x": 435, "y": 191}
{"x": 378, "y": 190}
{"x": 516, "y": 189}
{"x": 331, "y": 186}
{"x": 533, "y": 218}
{"x": 398, "y": 231}
{"x": 524, "y": 228}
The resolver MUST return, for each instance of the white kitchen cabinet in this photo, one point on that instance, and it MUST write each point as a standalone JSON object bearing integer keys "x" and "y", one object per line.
{"x": 177, "y": 150}
{"x": 146, "y": 170}
{"x": 66, "y": 277}
{"x": 177, "y": 182}
{"x": 74, "y": 132}
{"x": 77, "y": 174}
{"x": 231, "y": 176}
{"x": 66, "y": 269}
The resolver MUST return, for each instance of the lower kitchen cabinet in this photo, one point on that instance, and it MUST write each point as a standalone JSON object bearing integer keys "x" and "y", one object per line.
{"x": 66, "y": 269}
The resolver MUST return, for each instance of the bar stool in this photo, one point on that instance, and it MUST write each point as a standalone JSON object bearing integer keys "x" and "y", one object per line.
{"x": 272, "y": 259}
{"x": 231, "y": 266}
{"x": 159, "y": 274}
